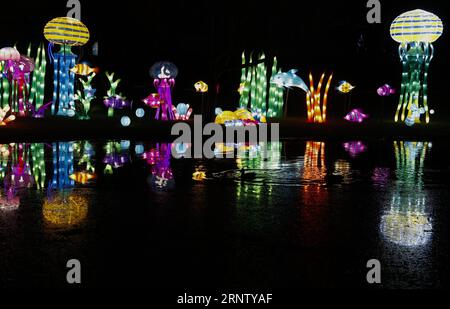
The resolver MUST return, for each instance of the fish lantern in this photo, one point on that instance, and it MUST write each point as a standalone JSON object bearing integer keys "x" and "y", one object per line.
{"x": 201, "y": 87}
{"x": 164, "y": 74}
{"x": 345, "y": 87}
{"x": 356, "y": 115}
{"x": 67, "y": 32}
{"x": 415, "y": 31}
{"x": 385, "y": 90}
{"x": 153, "y": 100}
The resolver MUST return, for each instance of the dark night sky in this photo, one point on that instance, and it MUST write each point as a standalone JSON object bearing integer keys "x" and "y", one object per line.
{"x": 206, "y": 38}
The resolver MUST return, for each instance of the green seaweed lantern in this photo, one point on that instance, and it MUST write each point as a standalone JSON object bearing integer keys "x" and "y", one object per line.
{"x": 85, "y": 97}
{"x": 415, "y": 31}
{"x": 256, "y": 91}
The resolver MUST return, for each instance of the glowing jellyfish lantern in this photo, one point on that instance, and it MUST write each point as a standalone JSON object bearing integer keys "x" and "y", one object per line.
{"x": 164, "y": 74}
{"x": 415, "y": 31}
{"x": 67, "y": 32}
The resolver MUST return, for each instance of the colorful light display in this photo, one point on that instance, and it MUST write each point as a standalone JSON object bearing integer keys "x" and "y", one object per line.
{"x": 15, "y": 87}
{"x": 67, "y": 32}
{"x": 256, "y": 92}
{"x": 316, "y": 104}
{"x": 415, "y": 31}
{"x": 37, "y": 92}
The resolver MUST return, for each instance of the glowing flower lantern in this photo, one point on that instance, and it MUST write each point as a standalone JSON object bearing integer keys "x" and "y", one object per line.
{"x": 67, "y": 32}
{"x": 415, "y": 31}
{"x": 164, "y": 74}
{"x": 316, "y": 104}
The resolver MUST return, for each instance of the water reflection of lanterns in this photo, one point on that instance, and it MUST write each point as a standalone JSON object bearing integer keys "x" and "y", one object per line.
{"x": 65, "y": 209}
{"x": 199, "y": 174}
{"x": 82, "y": 177}
{"x": 355, "y": 148}
{"x": 62, "y": 165}
{"x": 159, "y": 160}
{"x": 115, "y": 156}
{"x": 407, "y": 222}
{"x": 314, "y": 162}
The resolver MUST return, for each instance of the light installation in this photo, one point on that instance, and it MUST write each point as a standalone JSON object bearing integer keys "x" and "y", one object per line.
{"x": 16, "y": 73}
{"x": 114, "y": 100}
{"x": 316, "y": 103}
{"x": 37, "y": 90}
{"x": 256, "y": 92}
{"x": 407, "y": 222}
{"x": 66, "y": 32}
{"x": 85, "y": 96}
{"x": 415, "y": 31}
{"x": 164, "y": 74}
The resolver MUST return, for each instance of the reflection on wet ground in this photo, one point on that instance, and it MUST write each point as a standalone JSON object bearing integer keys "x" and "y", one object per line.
{"x": 308, "y": 213}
